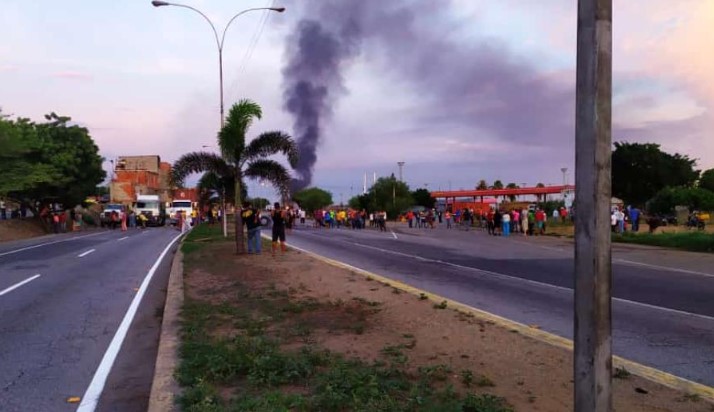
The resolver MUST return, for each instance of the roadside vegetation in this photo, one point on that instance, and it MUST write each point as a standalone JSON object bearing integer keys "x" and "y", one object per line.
{"x": 690, "y": 241}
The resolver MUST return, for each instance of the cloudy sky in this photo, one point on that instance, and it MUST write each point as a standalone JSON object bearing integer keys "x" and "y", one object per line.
{"x": 460, "y": 90}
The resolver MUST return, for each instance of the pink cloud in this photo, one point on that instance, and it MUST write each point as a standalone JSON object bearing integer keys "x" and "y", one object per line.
{"x": 72, "y": 75}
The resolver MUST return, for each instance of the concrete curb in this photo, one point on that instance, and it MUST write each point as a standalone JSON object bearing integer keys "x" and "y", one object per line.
{"x": 165, "y": 388}
{"x": 646, "y": 372}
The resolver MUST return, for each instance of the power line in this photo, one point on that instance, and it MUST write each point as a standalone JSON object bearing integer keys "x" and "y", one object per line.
{"x": 251, "y": 47}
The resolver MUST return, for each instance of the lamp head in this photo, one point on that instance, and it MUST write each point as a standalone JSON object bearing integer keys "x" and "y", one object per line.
{"x": 157, "y": 3}
{"x": 278, "y": 9}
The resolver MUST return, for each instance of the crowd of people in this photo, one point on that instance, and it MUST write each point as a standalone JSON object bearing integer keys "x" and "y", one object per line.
{"x": 349, "y": 218}
{"x": 498, "y": 222}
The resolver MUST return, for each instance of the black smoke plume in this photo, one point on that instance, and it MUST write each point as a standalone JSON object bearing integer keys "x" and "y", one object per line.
{"x": 312, "y": 81}
{"x": 466, "y": 83}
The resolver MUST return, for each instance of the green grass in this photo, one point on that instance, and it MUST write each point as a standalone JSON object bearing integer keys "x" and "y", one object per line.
{"x": 691, "y": 241}
{"x": 267, "y": 377}
{"x": 202, "y": 235}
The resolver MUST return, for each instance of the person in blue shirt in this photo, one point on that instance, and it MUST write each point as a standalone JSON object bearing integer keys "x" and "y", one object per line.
{"x": 635, "y": 218}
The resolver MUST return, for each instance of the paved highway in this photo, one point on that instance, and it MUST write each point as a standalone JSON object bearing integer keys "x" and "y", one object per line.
{"x": 62, "y": 300}
{"x": 663, "y": 307}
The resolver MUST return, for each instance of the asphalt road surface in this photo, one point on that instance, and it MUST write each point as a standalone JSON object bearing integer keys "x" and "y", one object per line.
{"x": 663, "y": 305}
{"x": 62, "y": 300}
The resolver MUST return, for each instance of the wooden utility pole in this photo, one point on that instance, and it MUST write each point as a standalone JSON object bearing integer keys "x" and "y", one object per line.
{"x": 593, "y": 330}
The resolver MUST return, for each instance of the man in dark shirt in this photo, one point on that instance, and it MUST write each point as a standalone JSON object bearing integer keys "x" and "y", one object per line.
{"x": 279, "y": 217}
{"x": 251, "y": 220}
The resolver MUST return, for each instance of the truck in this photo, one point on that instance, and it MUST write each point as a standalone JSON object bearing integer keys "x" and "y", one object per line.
{"x": 105, "y": 219}
{"x": 179, "y": 206}
{"x": 151, "y": 207}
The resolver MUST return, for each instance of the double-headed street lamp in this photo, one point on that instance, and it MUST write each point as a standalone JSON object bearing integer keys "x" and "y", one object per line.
{"x": 219, "y": 41}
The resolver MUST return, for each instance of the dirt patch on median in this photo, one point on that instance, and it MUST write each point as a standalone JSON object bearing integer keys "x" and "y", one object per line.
{"x": 301, "y": 301}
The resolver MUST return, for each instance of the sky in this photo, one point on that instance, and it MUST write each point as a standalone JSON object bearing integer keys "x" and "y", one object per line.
{"x": 460, "y": 90}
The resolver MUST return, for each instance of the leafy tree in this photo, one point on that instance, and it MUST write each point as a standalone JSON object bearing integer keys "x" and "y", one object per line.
{"x": 640, "y": 170}
{"x": 51, "y": 162}
{"x": 695, "y": 198}
{"x": 238, "y": 159}
{"x": 706, "y": 180}
{"x": 422, "y": 197}
{"x": 497, "y": 185}
{"x": 313, "y": 198}
{"x": 363, "y": 201}
{"x": 482, "y": 185}
{"x": 388, "y": 194}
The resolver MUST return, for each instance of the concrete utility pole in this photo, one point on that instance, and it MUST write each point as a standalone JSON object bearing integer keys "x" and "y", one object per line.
{"x": 401, "y": 166}
{"x": 593, "y": 262}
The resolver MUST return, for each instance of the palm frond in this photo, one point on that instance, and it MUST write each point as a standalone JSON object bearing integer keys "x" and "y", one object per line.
{"x": 271, "y": 171}
{"x": 231, "y": 137}
{"x": 270, "y": 143}
{"x": 223, "y": 185}
{"x": 197, "y": 162}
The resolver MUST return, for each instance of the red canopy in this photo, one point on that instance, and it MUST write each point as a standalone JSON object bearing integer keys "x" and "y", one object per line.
{"x": 548, "y": 190}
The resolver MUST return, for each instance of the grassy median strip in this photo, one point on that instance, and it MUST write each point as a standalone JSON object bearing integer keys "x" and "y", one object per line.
{"x": 248, "y": 348}
{"x": 690, "y": 241}
{"x": 272, "y": 365}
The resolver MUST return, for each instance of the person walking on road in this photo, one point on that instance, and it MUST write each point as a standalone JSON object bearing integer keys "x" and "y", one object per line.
{"x": 447, "y": 215}
{"x": 279, "y": 218}
{"x": 252, "y": 224}
{"x": 123, "y": 222}
{"x": 524, "y": 222}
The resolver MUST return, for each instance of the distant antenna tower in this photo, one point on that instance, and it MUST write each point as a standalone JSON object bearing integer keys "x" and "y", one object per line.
{"x": 401, "y": 166}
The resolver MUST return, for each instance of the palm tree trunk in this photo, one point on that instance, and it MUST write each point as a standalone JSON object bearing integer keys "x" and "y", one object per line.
{"x": 240, "y": 246}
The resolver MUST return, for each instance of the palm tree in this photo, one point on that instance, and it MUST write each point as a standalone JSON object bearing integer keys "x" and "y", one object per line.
{"x": 239, "y": 160}
{"x": 482, "y": 185}
{"x": 512, "y": 198}
{"x": 538, "y": 196}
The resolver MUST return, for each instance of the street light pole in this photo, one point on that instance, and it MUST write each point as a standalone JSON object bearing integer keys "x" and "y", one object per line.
{"x": 219, "y": 45}
{"x": 593, "y": 259}
{"x": 219, "y": 42}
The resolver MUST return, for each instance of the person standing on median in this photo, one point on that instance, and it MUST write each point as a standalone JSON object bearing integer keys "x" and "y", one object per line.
{"x": 252, "y": 224}
{"x": 279, "y": 217}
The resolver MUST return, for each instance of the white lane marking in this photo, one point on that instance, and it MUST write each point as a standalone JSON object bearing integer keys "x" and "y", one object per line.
{"x": 47, "y": 244}
{"x": 86, "y": 253}
{"x": 628, "y": 262}
{"x": 394, "y": 234}
{"x": 122, "y": 238}
{"x": 18, "y": 284}
{"x": 665, "y": 268}
{"x": 94, "y": 391}
{"x": 535, "y": 282}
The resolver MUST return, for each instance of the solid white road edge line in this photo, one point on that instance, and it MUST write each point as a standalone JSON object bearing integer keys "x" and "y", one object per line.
{"x": 18, "y": 284}
{"x": 86, "y": 253}
{"x": 48, "y": 243}
{"x": 122, "y": 238}
{"x": 534, "y": 282}
{"x": 94, "y": 391}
